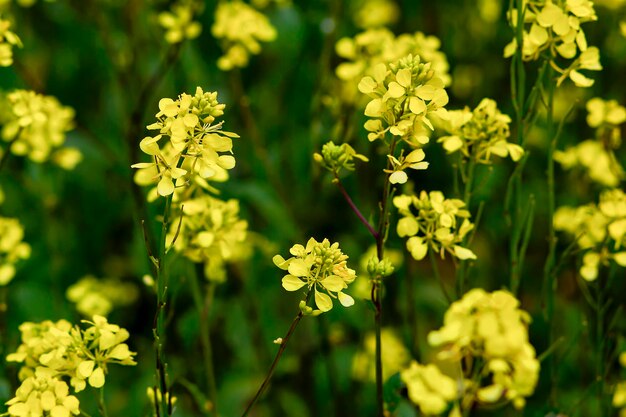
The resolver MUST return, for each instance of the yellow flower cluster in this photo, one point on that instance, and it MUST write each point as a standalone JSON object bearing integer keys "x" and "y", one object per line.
{"x": 12, "y": 249}
{"x": 619, "y": 396}
{"x": 337, "y": 157}
{"x": 43, "y": 395}
{"x": 439, "y": 225}
{"x": 178, "y": 21}
{"x": 8, "y": 40}
{"x": 395, "y": 356}
{"x": 430, "y": 389}
{"x": 403, "y": 94}
{"x": 94, "y": 296}
{"x": 63, "y": 351}
{"x": 376, "y": 13}
{"x": 241, "y": 28}
{"x": 480, "y": 133}
{"x": 489, "y": 332}
{"x": 596, "y": 156}
{"x": 555, "y": 28}
{"x": 599, "y": 230}
{"x": 194, "y": 146}
{"x": 320, "y": 266}
{"x": 211, "y": 232}
{"x": 380, "y": 46}
{"x": 35, "y": 126}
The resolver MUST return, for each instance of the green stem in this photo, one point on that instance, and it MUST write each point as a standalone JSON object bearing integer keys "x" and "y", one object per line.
{"x": 279, "y": 354}
{"x": 160, "y": 316}
{"x": 549, "y": 278}
{"x": 101, "y": 403}
{"x": 467, "y": 197}
{"x": 202, "y": 308}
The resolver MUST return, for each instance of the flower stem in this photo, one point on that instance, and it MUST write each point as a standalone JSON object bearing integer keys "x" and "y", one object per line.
{"x": 101, "y": 403}
{"x": 158, "y": 329}
{"x": 354, "y": 208}
{"x": 202, "y": 308}
{"x": 279, "y": 354}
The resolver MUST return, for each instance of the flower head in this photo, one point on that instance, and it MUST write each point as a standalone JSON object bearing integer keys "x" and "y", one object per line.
{"x": 337, "y": 157}
{"x": 8, "y": 40}
{"x": 241, "y": 28}
{"x": 440, "y": 224}
{"x": 322, "y": 267}
{"x": 178, "y": 22}
{"x": 188, "y": 143}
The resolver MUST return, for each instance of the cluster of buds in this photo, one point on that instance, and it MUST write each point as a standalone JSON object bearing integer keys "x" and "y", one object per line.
{"x": 337, "y": 157}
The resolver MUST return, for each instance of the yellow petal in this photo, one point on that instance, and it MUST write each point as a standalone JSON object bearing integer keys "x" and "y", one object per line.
{"x": 291, "y": 283}
{"x": 323, "y": 301}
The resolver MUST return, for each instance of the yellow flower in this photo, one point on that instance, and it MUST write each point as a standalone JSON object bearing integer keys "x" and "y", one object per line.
{"x": 414, "y": 160}
{"x": 34, "y": 124}
{"x": 8, "y": 40}
{"x": 319, "y": 266}
{"x": 94, "y": 296}
{"x": 191, "y": 140}
{"x": 178, "y": 22}
{"x": 12, "y": 249}
{"x": 437, "y": 225}
{"x": 480, "y": 133}
{"x": 430, "y": 389}
{"x": 43, "y": 395}
{"x": 241, "y": 28}
{"x": 376, "y": 13}
{"x": 490, "y": 326}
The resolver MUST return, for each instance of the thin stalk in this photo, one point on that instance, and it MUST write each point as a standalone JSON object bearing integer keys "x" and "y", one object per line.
{"x": 354, "y": 208}
{"x": 101, "y": 403}
{"x": 202, "y": 308}
{"x": 461, "y": 270}
{"x": 160, "y": 316}
{"x": 549, "y": 278}
{"x": 279, "y": 354}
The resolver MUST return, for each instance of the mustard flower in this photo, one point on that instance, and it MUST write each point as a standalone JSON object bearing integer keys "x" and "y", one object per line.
{"x": 94, "y": 296}
{"x": 337, "y": 157}
{"x": 595, "y": 159}
{"x": 619, "y": 395}
{"x": 12, "y": 248}
{"x": 8, "y": 40}
{"x": 403, "y": 96}
{"x": 66, "y": 352}
{"x": 600, "y": 231}
{"x": 440, "y": 224}
{"x": 34, "y": 124}
{"x": 100, "y": 344}
{"x": 186, "y": 125}
{"x": 395, "y": 356}
{"x": 178, "y": 22}
{"x": 414, "y": 160}
{"x": 490, "y": 327}
{"x": 606, "y": 117}
{"x": 322, "y": 267}
{"x": 480, "y": 133}
{"x": 43, "y": 395}
{"x": 428, "y": 388}
{"x": 555, "y": 28}
{"x": 240, "y": 28}
{"x": 379, "y": 45}
{"x": 210, "y": 232}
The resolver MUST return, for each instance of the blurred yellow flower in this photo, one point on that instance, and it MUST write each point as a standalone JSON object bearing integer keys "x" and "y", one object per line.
{"x": 241, "y": 28}
{"x": 12, "y": 248}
